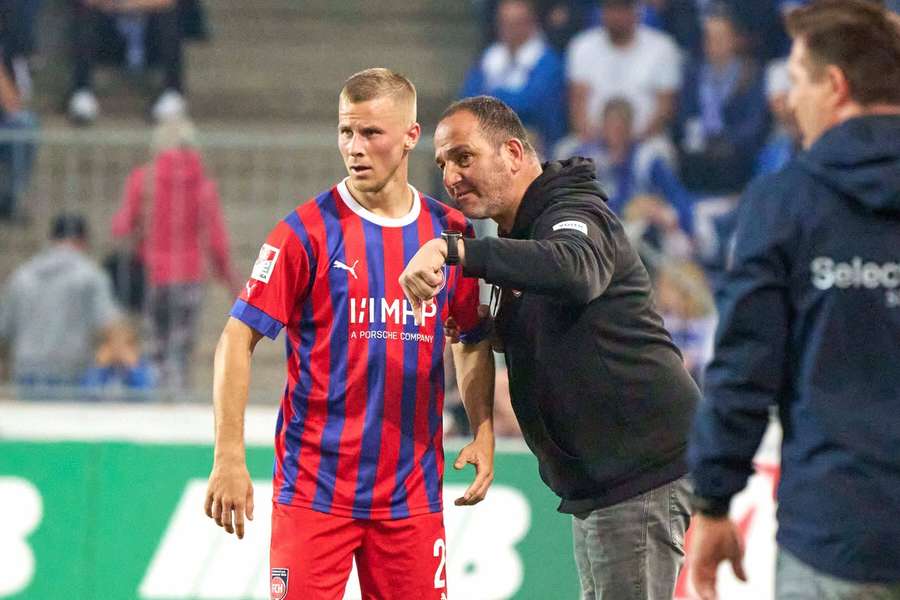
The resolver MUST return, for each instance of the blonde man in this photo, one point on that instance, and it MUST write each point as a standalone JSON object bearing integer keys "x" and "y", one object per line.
{"x": 358, "y": 454}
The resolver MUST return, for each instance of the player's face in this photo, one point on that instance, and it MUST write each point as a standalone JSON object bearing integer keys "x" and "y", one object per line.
{"x": 811, "y": 99}
{"x": 476, "y": 172}
{"x": 375, "y": 138}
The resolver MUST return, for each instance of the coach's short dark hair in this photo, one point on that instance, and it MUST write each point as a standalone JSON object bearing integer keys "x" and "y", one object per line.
{"x": 860, "y": 37}
{"x": 496, "y": 119}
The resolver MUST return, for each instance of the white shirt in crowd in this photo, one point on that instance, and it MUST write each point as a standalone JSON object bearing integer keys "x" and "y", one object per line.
{"x": 649, "y": 66}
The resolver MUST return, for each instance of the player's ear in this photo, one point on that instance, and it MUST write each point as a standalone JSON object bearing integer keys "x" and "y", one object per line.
{"x": 411, "y": 137}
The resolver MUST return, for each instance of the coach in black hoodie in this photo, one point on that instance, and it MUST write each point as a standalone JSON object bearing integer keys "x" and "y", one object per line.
{"x": 599, "y": 389}
{"x": 810, "y": 323}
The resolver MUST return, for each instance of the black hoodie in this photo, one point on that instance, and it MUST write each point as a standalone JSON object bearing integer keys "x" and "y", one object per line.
{"x": 598, "y": 387}
{"x": 810, "y": 322}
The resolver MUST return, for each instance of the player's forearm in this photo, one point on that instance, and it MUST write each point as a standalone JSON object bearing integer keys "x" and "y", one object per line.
{"x": 231, "y": 384}
{"x": 475, "y": 377}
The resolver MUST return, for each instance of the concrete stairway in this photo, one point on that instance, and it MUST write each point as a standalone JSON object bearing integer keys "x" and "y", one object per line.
{"x": 285, "y": 60}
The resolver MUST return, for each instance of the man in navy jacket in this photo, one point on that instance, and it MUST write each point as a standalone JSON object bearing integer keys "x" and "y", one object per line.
{"x": 810, "y": 323}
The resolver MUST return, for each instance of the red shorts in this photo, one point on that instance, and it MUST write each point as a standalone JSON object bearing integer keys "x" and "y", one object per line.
{"x": 312, "y": 553}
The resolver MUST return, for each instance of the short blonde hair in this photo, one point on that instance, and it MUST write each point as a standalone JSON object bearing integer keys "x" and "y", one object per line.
{"x": 379, "y": 82}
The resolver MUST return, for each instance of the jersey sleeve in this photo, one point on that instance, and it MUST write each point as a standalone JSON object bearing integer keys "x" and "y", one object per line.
{"x": 464, "y": 303}
{"x": 278, "y": 283}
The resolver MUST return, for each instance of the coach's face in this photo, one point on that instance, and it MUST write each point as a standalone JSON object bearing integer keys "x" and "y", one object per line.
{"x": 375, "y": 138}
{"x": 476, "y": 171}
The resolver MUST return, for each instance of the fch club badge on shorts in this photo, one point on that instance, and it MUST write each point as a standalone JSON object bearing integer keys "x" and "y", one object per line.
{"x": 279, "y": 585}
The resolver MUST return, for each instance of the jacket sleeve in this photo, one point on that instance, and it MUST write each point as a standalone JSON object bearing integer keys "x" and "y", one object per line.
{"x": 749, "y": 369}
{"x": 217, "y": 233}
{"x": 128, "y": 217}
{"x": 571, "y": 257}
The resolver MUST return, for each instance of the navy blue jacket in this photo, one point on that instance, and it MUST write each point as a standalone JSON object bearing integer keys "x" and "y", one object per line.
{"x": 810, "y": 323}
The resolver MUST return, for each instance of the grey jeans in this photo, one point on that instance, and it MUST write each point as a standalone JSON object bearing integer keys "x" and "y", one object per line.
{"x": 633, "y": 550}
{"x": 795, "y": 580}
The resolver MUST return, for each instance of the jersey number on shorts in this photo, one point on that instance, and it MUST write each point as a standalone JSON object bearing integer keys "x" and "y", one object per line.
{"x": 440, "y": 549}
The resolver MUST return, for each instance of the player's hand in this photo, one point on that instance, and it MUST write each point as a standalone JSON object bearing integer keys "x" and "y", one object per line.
{"x": 451, "y": 327}
{"x": 713, "y": 540}
{"x": 423, "y": 277}
{"x": 481, "y": 454}
{"x": 229, "y": 496}
{"x": 451, "y": 330}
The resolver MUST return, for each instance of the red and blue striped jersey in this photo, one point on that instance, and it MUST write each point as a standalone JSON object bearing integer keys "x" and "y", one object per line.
{"x": 359, "y": 431}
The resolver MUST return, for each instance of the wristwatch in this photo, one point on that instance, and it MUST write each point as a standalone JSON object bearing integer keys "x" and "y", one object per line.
{"x": 452, "y": 238}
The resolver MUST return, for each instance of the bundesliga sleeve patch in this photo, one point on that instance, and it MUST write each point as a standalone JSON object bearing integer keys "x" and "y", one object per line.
{"x": 279, "y": 583}
{"x": 265, "y": 263}
{"x": 576, "y": 225}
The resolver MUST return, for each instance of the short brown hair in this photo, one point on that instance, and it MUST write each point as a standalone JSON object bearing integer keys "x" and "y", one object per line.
{"x": 496, "y": 119}
{"x": 379, "y": 82}
{"x": 860, "y": 37}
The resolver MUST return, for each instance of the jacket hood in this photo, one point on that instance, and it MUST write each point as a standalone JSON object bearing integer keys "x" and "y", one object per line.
{"x": 559, "y": 179}
{"x": 860, "y": 159}
{"x": 181, "y": 165}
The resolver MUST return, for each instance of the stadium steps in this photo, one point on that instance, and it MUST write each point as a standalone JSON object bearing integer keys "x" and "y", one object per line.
{"x": 271, "y": 67}
{"x": 284, "y": 60}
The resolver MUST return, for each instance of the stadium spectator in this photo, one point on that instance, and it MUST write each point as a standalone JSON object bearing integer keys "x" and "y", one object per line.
{"x": 627, "y": 167}
{"x": 623, "y": 58}
{"x": 563, "y": 19}
{"x": 53, "y": 311}
{"x": 17, "y": 25}
{"x": 681, "y": 20}
{"x": 686, "y": 306}
{"x": 560, "y": 19}
{"x": 759, "y": 26}
{"x": 358, "y": 457}
{"x": 171, "y": 211}
{"x": 810, "y": 323}
{"x": 130, "y": 18}
{"x": 119, "y": 371}
{"x": 784, "y": 140}
{"x": 651, "y": 225}
{"x": 16, "y": 155}
{"x": 722, "y": 120}
{"x": 609, "y": 426}
{"x": 524, "y": 71}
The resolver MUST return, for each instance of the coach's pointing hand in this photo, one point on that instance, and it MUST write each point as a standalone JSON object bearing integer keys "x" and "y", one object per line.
{"x": 230, "y": 490}
{"x": 423, "y": 276}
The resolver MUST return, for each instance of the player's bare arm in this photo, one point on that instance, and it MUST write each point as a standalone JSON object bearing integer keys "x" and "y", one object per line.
{"x": 229, "y": 496}
{"x": 475, "y": 376}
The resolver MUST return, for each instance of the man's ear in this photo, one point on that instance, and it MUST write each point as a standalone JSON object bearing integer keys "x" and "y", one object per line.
{"x": 411, "y": 137}
{"x": 516, "y": 153}
{"x": 840, "y": 86}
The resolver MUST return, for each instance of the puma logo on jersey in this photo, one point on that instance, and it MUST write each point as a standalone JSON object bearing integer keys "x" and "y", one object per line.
{"x": 352, "y": 270}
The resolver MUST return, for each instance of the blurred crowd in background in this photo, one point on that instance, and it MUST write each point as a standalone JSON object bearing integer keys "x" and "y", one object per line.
{"x": 680, "y": 103}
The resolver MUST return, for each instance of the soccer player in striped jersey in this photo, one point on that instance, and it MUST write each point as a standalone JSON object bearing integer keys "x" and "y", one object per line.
{"x": 358, "y": 441}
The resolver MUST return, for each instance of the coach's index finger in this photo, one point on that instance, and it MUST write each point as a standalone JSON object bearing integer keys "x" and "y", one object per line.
{"x": 415, "y": 303}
